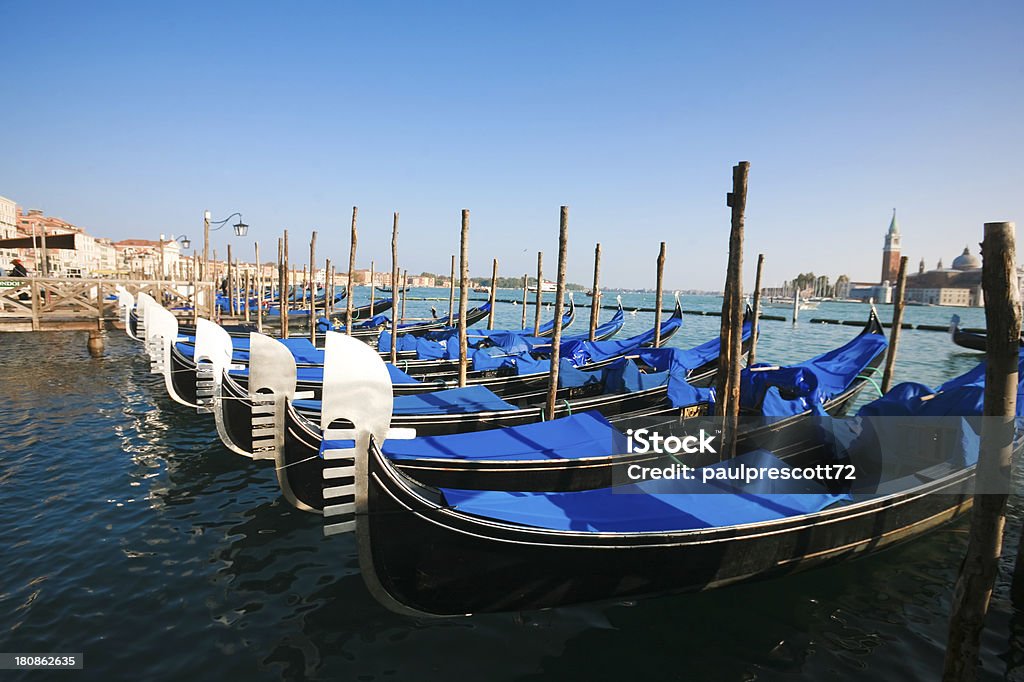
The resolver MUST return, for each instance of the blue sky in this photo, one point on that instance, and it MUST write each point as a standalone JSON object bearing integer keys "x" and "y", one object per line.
{"x": 132, "y": 118}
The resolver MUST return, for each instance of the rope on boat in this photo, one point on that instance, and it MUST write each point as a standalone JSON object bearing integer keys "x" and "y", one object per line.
{"x": 317, "y": 456}
{"x": 567, "y": 406}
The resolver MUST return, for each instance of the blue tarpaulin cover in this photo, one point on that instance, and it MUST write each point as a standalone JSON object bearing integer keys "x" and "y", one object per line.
{"x": 664, "y": 506}
{"x": 807, "y": 386}
{"x": 587, "y": 434}
{"x": 449, "y": 401}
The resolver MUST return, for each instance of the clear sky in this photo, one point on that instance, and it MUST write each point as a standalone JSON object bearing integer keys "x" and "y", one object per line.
{"x": 132, "y": 118}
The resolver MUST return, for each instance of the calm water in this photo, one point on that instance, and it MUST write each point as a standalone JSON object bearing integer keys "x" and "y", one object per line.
{"x": 130, "y": 534}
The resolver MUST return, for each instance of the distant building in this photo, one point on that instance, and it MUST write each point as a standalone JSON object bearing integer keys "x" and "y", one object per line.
{"x": 891, "y": 252}
{"x": 8, "y": 230}
{"x": 145, "y": 257}
{"x": 959, "y": 285}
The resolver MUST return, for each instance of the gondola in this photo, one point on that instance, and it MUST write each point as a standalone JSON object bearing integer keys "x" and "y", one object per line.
{"x": 388, "y": 290}
{"x": 239, "y": 411}
{"x": 434, "y": 462}
{"x": 448, "y": 552}
{"x": 969, "y": 340}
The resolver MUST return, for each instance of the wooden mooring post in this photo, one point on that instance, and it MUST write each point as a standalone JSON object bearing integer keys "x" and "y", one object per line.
{"x": 451, "y": 293}
{"x": 556, "y": 335}
{"x": 373, "y": 288}
{"x": 755, "y": 327}
{"x": 659, "y": 293}
{"x": 285, "y": 288}
{"x": 463, "y": 296}
{"x": 526, "y": 291}
{"x": 394, "y": 289}
{"x": 595, "y": 292}
{"x": 259, "y": 289}
{"x": 897, "y": 323}
{"x": 731, "y": 335}
{"x": 312, "y": 289}
{"x": 494, "y": 294}
{"x": 978, "y": 571}
{"x": 540, "y": 289}
{"x": 352, "y": 242}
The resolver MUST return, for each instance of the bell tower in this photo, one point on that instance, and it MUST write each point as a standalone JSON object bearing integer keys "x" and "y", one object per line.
{"x": 891, "y": 251}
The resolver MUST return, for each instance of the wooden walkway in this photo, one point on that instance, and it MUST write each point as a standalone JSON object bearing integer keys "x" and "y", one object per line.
{"x": 76, "y": 304}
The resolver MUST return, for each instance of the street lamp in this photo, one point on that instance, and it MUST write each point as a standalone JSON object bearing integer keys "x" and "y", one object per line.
{"x": 186, "y": 243}
{"x": 240, "y": 228}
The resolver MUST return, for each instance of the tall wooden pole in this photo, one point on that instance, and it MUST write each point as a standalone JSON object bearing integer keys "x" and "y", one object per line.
{"x": 463, "y": 296}
{"x": 231, "y": 285}
{"x": 245, "y": 292}
{"x": 259, "y": 290}
{"x": 206, "y": 245}
{"x": 394, "y": 290}
{"x": 731, "y": 336}
{"x": 540, "y": 280}
{"x": 756, "y": 323}
{"x": 353, "y": 240}
{"x": 981, "y": 564}
{"x": 494, "y": 294}
{"x": 659, "y": 293}
{"x": 328, "y": 289}
{"x": 285, "y": 289}
{"x": 373, "y": 289}
{"x": 595, "y": 291}
{"x": 556, "y": 336}
{"x": 451, "y": 293}
{"x": 195, "y": 292}
{"x": 405, "y": 284}
{"x": 526, "y": 290}
{"x": 897, "y": 323}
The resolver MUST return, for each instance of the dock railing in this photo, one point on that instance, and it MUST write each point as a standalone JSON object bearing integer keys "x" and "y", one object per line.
{"x": 66, "y": 304}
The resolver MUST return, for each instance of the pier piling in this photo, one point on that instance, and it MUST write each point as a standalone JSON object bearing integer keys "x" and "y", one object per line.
{"x": 494, "y": 294}
{"x": 540, "y": 287}
{"x": 353, "y": 240}
{"x": 731, "y": 336}
{"x": 394, "y": 289}
{"x": 556, "y": 335}
{"x": 978, "y": 571}
{"x": 659, "y": 283}
{"x": 897, "y": 323}
{"x": 595, "y": 291}
{"x": 755, "y": 328}
{"x": 463, "y": 295}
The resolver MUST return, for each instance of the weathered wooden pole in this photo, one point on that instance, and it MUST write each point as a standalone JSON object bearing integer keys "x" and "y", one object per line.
{"x": 731, "y": 335}
{"x": 526, "y": 291}
{"x": 556, "y": 336}
{"x": 796, "y": 303}
{"x": 206, "y": 246}
{"x": 494, "y": 294}
{"x": 328, "y": 289}
{"x": 248, "y": 288}
{"x": 405, "y": 282}
{"x": 195, "y": 292}
{"x": 394, "y": 290}
{"x": 352, "y": 242}
{"x": 451, "y": 293}
{"x": 231, "y": 285}
{"x": 285, "y": 289}
{"x": 595, "y": 292}
{"x": 259, "y": 290}
{"x": 897, "y": 323}
{"x": 213, "y": 288}
{"x": 981, "y": 564}
{"x": 659, "y": 293}
{"x": 756, "y": 323}
{"x": 538, "y": 305}
{"x": 372, "y": 289}
{"x": 463, "y": 296}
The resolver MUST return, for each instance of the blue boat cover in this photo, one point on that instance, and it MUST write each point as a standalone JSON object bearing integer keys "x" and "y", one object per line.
{"x": 586, "y": 434}
{"x": 449, "y": 401}
{"x": 661, "y": 506}
{"x": 807, "y": 386}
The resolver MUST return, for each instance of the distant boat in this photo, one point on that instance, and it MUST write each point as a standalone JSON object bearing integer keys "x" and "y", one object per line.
{"x": 482, "y": 290}
{"x": 388, "y": 290}
{"x": 547, "y": 286}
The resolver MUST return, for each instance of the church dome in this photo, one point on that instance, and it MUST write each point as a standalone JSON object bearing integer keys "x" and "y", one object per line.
{"x": 965, "y": 261}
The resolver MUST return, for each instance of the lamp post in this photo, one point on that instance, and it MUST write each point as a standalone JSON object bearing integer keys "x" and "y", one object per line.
{"x": 240, "y": 228}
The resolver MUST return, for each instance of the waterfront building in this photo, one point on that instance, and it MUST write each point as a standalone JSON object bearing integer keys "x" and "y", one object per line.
{"x": 8, "y": 230}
